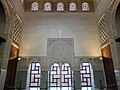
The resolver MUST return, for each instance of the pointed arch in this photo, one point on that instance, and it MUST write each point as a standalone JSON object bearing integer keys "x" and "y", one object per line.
{"x": 117, "y": 21}
{"x": 66, "y": 75}
{"x": 35, "y": 74}
{"x": 86, "y": 73}
{"x": 7, "y": 15}
{"x": 60, "y": 75}
{"x": 55, "y": 75}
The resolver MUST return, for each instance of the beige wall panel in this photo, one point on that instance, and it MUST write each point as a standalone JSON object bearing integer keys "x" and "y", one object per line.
{"x": 40, "y": 26}
{"x": 18, "y": 7}
{"x": 102, "y": 6}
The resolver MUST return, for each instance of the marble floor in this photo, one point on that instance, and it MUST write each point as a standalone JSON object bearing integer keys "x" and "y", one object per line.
{"x": 68, "y": 88}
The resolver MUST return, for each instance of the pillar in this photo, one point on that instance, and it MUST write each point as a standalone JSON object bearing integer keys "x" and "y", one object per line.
{"x": 109, "y": 67}
{"x": 11, "y": 68}
{"x": 76, "y": 77}
{"x": 44, "y": 80}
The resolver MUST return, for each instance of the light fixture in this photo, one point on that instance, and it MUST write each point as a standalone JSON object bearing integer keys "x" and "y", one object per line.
{"x": 101, "y": 58}
{"x": 19, "y": 58}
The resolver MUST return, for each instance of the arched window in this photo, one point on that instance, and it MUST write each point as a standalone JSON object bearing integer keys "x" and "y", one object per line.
{"x": 55, "y": 75}
{"x": 72, "y": 6}
{"x": 34, "y": 6}
{"x": 60, "y": 75}
{"x": 60, "y": 7}
{"x": 66, "y": 75}
{"x": 86, "y": 74}
{"x": 85, "y": 6}
{"x": 47, "y": 6}
{"x": 35, "y": 74}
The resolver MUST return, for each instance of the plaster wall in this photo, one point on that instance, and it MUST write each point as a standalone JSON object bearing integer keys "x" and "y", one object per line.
{"x": 101, "y": 7}
{"x": 18, "y": 7}
{"x": 40, "y": 26}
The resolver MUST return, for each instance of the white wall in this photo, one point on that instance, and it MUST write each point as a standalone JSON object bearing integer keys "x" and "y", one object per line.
{"x": 40, "y": 26}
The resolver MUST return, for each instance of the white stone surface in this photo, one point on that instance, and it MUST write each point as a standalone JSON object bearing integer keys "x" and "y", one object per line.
{"x": 40, "y": 26}
{"x": 102, "y": 6}
{"x": 2, "y": 78}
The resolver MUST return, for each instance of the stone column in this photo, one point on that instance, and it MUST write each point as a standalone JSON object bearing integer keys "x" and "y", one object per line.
{"x": 44, "y": 80}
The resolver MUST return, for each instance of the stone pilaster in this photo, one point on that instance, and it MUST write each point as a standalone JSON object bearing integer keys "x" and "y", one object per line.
{"x": 76, "y": 81}
{"x": 99, "y": 80}
{"x": 44, "y": 80}
{"x": 21, "y": 79}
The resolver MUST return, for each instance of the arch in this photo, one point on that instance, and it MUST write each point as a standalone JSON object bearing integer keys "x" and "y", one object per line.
{"x": 117, "y": 20}
{"x": 54, "y": 75}
{"x": 60, "y": 75}
{"x": 34, "y": 6}
{"x": 85, "y": 74}
{"x": 32, "y": 60}
{"x": 47, "y": 6}
{"x": 66, "y": 75}
{"x": 87, "y": 78}
{"x": 60, "y": 6}
{"x": 85, "y": 6}
{"x": 72, "y": 7}
{"x": 86, "y": 60}
{"x": 2, "y": 20}
{"x": 7, "y": 15}
{"x": 34, "y": 74}
{"x": 111, "y": 11}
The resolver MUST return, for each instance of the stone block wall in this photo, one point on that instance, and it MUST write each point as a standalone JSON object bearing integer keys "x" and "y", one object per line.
{"x": 99, "y": 79}
{"x": 21, "y": 78}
